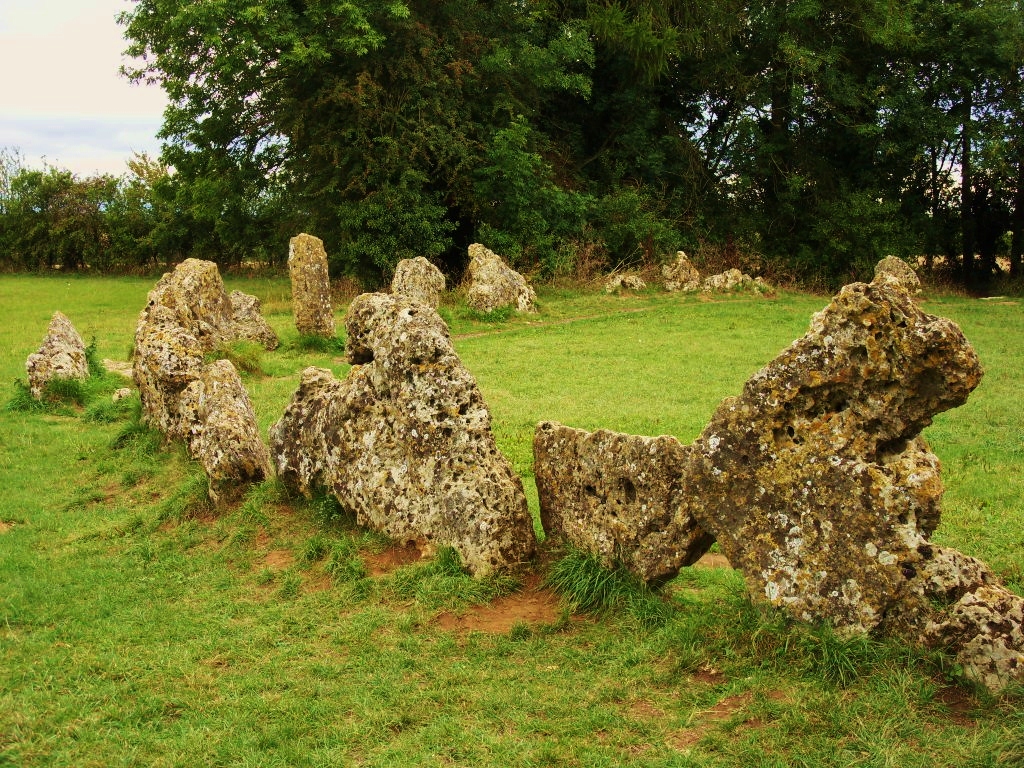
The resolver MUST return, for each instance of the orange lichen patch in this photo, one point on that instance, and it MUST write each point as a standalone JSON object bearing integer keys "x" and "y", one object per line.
{"x": 712, "y": 560}
{"x": 393, "y": 558}
{"x": 278, "y": 559}
{"x": 533, "y": 605}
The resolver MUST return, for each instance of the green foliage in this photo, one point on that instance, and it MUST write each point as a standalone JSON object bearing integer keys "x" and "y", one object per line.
{"x": 307, "y": 343}
{"x": 588, "y": 586}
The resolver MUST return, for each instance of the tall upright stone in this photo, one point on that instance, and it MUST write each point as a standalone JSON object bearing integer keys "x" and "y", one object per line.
{"x": 420, "y": 280}
{"x": 492, "y": 284}
{"x": 311, "y": 286}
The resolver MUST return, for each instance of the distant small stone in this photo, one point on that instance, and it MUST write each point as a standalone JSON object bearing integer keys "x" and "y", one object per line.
{"x": 681, "y": 275}
{"x": 420, "y": 280}
{"x": 121, "y": 394}
{"x": 492, "y": 284}
{"x": 893, "y": 268}
{"x": 620, "y": 282}
{"x": 733, "y": 280}
{"x": 619, "y": 497}
{"x": 311, "y": 286}
{"x": 248, "y": 321}
{"x": 61, "y": 356}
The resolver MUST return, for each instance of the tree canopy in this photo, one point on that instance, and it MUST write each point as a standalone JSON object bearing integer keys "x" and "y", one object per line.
{"x": 816, "y": 136}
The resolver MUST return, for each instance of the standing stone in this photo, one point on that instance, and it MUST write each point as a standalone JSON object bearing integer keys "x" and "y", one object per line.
{"x": 733, "y": 280}
{"x": 249, "y": 323}
{"x": 228, "y": 446}
{"x": 619, "y": 497}
{"x": 61, "y": 356}
{"x": 187, "y": 315}
{"x": 618, "y": 283}
{"x": 492, "y": 284}
{"x": 815, "y": 481}
{"x": 420, "y": 280}
{"x": 405, "y": 441}
{"x": 311, "y": 286}
{"x": 681, "y": 275}
{"x": 893, "y": 268}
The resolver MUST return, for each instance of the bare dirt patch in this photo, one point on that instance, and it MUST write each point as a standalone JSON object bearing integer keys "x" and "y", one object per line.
{"x": 393, "y": 558}
{"x": 533, "y": 605}
{"x": 118, "y": 367}
{"x": 712, "y": 560}
{"x": 278, "y": 559}
{"x": 5, "y": 526}
{"x": 685, "y": 738}
{"x": 958, "y": 704}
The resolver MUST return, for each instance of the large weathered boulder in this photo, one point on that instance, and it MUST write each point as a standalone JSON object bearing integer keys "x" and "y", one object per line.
{"x": 61, "y": 356}
{"x": 420, "y": 280}
{"x": 492, "y": 284}
{"x": 248, "y": 321}
{"x": 187, "y": 315}
{"x": 228, "y": 444}
{"x": 311, "y": 286}
{"x": 681, "y": 275}
{"x": 814, "y": 480}
{"x": 404, "y": 441}
{"x": 619, "y": 497}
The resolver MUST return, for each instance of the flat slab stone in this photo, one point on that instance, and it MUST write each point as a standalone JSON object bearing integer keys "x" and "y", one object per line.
{"x": 619, "y": 497}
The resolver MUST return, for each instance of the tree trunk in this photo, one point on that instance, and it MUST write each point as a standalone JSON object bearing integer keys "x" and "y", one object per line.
{"x": 967, "y": 223}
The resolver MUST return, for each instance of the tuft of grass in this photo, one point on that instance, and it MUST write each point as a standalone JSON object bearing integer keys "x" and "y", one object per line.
{"x": 191, "y": 499}
{"x": 246, "y": 356}
{"x": 344, "y": 563}
{"x": 443, "y": 582}
{"x": 22, "y": 401}
{"x": 93, "y": 360}
{"x": 588, "y": 586}
{"x": 107, "y": 411}
{"x": 321, "y": 344}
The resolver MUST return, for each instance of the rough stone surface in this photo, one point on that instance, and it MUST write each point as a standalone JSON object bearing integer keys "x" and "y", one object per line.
{"x": 619, "y": 497}
{"x": 624, "y": 282}
{"x": 814, "y": 480}
{"x": 733, "y": 280}
{"x": 404, "y": 441}
{"x": 311, "y": 286}
{"x": 681, "y": 275}
{"x": 420, "y": 280}
{"x": 61, "y": 356}
{"x": 248, "y": 321}
{"x": 121, "y": 394}
{"x": 893, "y": 268}
{"x": 492, "y": 284}
{"x": 187, "y": 315}
{"x": 228, "y": 445}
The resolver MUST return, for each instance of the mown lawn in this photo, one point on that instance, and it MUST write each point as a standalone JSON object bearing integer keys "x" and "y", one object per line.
{"x": 140, "y": 627}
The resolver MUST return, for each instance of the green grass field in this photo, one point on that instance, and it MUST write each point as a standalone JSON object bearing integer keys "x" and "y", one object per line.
{"x": 138, "y": 627}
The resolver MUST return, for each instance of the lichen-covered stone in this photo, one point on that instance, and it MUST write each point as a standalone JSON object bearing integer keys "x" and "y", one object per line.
{"x": 619, "y": 497}
{"x": 228, "y": 446}
{"x": 404, "y": 441}
{"x": 815, "y": 481}
{"x": 733, "y": 280}
{"x": 681, "y": 275}
{"x": 420, "y": 280}
{"x": 624, "y": 282}
{"x": 311, "y": 286}
{"x": 248, "y": 321}
{"x": 61, "y": 356}
{"x": 894, "y": 268}
{"x": 187, "y": 315}
{"x": 492, "y": 284}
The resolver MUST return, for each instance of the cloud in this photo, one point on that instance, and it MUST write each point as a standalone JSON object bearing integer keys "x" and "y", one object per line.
{"x": 61, "y": 96}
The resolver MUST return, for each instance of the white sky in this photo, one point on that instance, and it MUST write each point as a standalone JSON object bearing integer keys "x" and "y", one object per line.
{"x": 62, "y": 100}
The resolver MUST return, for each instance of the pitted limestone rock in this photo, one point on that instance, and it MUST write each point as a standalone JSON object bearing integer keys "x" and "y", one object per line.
{"x": 814, "y": 481}
{"x": 619, "y": 497}
{"x": 893, "y": 268}
{"x": 187, "y": 315}
{"x": 492, "y": 284}
{"x": 624, "y": 282}
{"x": 681, "y": 275}
{"x": 248, "y": 321}
{"x": 733, "y": 280}
{"x": 404, "y": 441}
{"x": 420, "y": 280}
{"x": 61, "y": 356}
{"x": 228, "y": 446}
{"x": 311, "y": 286}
